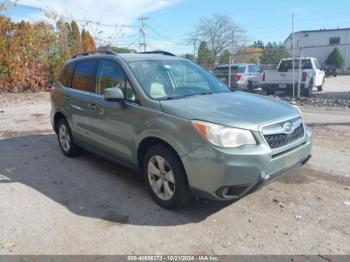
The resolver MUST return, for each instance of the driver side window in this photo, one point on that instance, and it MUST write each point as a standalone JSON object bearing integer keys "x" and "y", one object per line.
{"x": 110, "y": 74}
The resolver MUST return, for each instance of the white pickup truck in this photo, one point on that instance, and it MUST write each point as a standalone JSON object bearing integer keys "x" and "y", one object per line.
{"x": 311, "y": 75}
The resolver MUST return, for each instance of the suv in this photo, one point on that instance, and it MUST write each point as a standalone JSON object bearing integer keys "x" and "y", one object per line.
{"x": 243, "y": 76}
{"x": 186, "y": 132}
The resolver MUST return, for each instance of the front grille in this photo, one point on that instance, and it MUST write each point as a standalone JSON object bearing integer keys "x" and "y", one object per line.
{"x": 278, "y": 140}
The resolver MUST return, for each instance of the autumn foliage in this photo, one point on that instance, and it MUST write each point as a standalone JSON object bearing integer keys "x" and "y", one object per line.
{"x": 31, "y": 55}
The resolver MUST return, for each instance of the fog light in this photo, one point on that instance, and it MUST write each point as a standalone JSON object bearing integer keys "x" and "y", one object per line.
{"x": 231, "y": 192}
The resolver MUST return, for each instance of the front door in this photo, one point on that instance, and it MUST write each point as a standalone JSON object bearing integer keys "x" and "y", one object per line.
{"x": 113, "y": 125}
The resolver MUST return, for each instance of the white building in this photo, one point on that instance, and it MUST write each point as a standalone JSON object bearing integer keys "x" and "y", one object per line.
{"x": 320, "y": 43}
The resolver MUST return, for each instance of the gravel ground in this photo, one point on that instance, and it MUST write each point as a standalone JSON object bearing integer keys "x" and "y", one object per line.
{"x": 51, "y": 204}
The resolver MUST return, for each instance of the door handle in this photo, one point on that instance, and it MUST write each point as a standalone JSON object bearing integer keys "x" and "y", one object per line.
{"x": 92, "y": 106}
{"x": 66, "y": 97}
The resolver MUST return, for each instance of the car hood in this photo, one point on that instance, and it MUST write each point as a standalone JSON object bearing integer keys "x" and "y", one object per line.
{"x": 235, "y": 109}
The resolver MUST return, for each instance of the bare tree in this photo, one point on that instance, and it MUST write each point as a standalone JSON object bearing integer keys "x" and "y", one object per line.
{"x": 220, "y": 32}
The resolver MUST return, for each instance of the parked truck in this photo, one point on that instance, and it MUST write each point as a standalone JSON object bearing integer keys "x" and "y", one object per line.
{"x": 307, "y": 70}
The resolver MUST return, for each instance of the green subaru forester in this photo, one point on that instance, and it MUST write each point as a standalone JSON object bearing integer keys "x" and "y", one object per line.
{"x": 181, "y": 127}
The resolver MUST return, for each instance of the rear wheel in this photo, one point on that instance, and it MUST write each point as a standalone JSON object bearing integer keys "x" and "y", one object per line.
{"x": 65, "y": 139}
{"x": 308, "y": 90}
{"x": 270, "y": 92}
{"x": 320, "y": 88}
{"x": 166, "y": 177}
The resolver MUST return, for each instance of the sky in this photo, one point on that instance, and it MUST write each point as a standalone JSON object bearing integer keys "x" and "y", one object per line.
{"x": 170, "y": 22}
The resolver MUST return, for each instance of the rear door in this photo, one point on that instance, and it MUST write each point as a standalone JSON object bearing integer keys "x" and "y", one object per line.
{"x": 254, "y": 75}
{"x": 80, "y": 98}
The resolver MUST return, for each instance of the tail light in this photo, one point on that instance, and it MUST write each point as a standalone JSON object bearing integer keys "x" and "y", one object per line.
{"x": 263, "y": 76}
{"x": 304, "y": 76}
{"x": 238, "y": 77}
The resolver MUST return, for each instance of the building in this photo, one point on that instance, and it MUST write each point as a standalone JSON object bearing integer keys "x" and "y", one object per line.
{"x": 320, "y": 43}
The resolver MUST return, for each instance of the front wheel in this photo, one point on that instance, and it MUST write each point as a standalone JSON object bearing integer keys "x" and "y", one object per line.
{"x": 166, "y": 177}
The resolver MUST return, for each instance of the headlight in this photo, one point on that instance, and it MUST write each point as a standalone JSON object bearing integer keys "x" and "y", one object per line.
{"x": 223, "y": 136}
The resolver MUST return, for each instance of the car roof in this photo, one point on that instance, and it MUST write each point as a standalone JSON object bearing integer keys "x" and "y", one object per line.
{"x": 127, "y": 57}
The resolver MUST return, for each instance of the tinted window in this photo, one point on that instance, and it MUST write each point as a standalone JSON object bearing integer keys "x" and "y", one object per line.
{"x": 110, "y": 74}
{"x": 334, "y": 40}
{"x": 83, "y": 76}
{"x": 66, "y": 75}
{"x": 288, "y": 64}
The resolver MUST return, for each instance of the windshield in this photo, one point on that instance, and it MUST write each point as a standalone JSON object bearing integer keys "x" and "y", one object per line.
{"x": 171, "y": 79}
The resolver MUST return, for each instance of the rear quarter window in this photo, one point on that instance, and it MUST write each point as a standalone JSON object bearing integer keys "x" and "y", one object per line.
{"x": 65, "y": 78}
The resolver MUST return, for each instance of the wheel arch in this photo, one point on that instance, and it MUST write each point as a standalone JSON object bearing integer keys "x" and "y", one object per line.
{"x": 58, "y": 115}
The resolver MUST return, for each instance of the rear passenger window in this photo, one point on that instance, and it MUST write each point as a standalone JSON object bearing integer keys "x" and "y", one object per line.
{"x": 83, "y": 76}
{"x": 66, "y": 75}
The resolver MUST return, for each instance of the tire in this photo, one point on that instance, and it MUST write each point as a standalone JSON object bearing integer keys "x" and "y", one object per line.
{"x": 65, "y": 139}
{"x": 320, "y": 88}
{"x": 166, "y": 177}
{"x": 250, "y": 86}
{"x": 308, "y": 91}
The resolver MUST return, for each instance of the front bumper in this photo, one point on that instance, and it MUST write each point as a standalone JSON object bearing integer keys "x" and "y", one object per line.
{"x": 243, "y": 170}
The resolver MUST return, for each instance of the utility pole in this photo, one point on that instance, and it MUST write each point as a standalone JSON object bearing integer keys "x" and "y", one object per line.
{"x": 230, "y": 63}
{"x": 293, "y": 65}
{"x": 194, "y": 48}
{"x": 143, "y": 32}
{"x": 299, "y": 80}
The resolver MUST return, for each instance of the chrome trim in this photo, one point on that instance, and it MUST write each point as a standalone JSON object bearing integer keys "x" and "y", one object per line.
{"x": 296, "y": 122}
{"x": 278, "y": 127}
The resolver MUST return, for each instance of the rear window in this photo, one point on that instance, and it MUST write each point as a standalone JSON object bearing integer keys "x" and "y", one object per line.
{"x": 288, "y": 64}
{"x": 234, "y": 70}
{"x": 66, "y": 75}
{"x": 83, "y": 76}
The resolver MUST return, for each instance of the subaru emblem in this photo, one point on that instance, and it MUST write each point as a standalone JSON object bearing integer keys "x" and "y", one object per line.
{"x": 288, "y": 127}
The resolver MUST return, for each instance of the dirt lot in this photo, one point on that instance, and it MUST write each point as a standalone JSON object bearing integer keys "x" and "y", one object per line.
{"x": 51, "y": 204}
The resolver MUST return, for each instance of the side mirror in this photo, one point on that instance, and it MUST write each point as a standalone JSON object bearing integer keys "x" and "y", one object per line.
{"x": 113, "y": 94}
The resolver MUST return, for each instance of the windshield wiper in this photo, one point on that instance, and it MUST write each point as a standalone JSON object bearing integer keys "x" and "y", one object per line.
{"x": 188, "y": 95}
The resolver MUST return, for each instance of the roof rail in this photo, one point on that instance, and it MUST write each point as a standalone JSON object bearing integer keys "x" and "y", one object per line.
{"x": 101, "y": 51}
{"x": 158, "y": 52}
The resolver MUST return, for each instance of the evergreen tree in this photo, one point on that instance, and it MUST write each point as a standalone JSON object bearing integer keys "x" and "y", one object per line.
{"x": 205, "y": 57}
{"x": 335, "y": 58}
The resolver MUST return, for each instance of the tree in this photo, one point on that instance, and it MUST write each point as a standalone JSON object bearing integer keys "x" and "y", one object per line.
{"x": 219, "y": 32}
{"x": 249, "y": 55}
{"x": 225, "y": 57}
{"x": 205, "y": 57}
{"x": 74, "y": 38}
{"x": 273, "y": 53}
{"x": 335, "y": 58}
{"x": 87, "y": 41}
{"x": 189, "y": 57}
{"x": 258, "y": 44}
